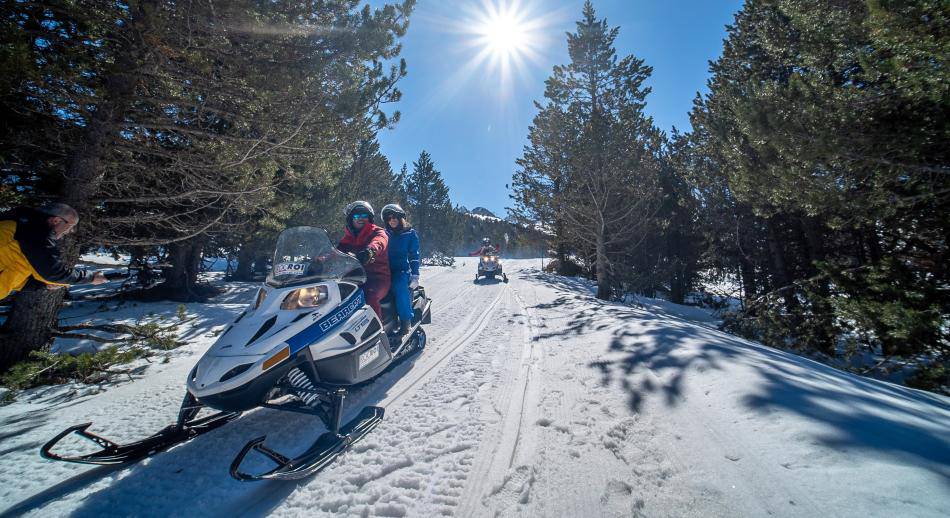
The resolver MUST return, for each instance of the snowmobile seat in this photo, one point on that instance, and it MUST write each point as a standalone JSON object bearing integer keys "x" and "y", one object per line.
{"x": 388, "y": 307}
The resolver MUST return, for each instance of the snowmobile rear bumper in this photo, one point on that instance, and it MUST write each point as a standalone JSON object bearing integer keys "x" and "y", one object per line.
{"x": 427, "y": 313}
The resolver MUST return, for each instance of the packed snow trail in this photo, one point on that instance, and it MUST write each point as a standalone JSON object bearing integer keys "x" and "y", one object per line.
{"x": 531, "y": 399}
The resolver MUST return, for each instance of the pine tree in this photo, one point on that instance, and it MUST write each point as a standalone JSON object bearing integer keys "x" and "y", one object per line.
{"x": 369, "y": 177}
{"x": 543, "y": 172}
{"x": 825, "y": 132}
{"x": 183, "y": 119}
{"x": 429, "y": 207}
{"x": 593, "y": 127}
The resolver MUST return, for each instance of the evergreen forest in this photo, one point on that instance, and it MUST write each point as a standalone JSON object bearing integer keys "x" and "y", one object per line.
{"x": 184, "y": 132}
{"x": 809, "y": 199}
{"x": 812, "y": 188}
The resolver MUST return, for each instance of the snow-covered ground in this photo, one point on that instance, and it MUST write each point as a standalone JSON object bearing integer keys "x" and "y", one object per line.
{"x": 531, "y": 399}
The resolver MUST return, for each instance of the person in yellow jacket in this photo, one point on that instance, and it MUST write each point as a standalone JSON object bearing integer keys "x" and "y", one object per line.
{"x": 28, "y": 248}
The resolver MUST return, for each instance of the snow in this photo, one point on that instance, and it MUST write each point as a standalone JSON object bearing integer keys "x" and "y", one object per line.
{"x": 102, "y": 258}
{"x": 531, "y": 399}
{"x": 483, "y": 217}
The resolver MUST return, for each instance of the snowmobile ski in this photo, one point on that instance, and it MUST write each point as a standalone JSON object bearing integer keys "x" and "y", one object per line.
{"x": 320, "y": 455}
{"x": 113, "y": 454}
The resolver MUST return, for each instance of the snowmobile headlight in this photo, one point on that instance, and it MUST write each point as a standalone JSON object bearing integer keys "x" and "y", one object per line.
{"x": 261, "y": 295}
{"x": 309, "y": 297}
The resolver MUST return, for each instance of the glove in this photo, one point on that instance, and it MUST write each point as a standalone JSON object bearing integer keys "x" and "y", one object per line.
{"x": 366, "y": 256}
{"x": 98, "y": 278}
{"x": 413, "y": 281}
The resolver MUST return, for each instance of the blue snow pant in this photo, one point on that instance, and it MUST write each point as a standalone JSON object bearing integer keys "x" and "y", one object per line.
{"x": 400, "y": 289}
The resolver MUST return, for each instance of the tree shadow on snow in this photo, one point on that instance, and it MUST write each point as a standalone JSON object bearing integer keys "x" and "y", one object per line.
{"x": 654, "y": 354}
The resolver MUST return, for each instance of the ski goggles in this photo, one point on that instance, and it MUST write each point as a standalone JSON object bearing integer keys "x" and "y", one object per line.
{"x": 360, "y": 216}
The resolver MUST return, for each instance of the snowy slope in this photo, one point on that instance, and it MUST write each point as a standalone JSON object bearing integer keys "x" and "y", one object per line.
{"x": 531, "y": 399}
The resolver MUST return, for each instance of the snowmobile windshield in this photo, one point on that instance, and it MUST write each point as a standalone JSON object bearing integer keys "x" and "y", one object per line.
{"x": 305, "y": 254}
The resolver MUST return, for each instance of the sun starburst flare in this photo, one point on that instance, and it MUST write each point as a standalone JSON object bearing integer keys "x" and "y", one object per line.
{"x": 505, "y": 34}
{"x": 502, "y": 42}
{"x": 507, "y": 38}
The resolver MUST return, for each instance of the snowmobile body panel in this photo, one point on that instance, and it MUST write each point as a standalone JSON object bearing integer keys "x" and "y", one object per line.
{"x": 490, "y": 267}
{"x": 346, "y": 346}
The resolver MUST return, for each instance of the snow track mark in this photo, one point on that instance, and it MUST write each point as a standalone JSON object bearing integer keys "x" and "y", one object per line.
{"x": 439, "y": 356}
{"x": 498, "y": 482}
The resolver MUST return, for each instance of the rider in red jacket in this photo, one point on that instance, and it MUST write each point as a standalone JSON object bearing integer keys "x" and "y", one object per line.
{"x": 368, "y": 242}
{"x": 485, "y": 249}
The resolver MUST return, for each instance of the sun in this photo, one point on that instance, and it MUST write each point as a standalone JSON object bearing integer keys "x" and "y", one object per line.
{"x": 507, "y": 36}
{"x": 504, "y": 34}
{"x": 499, "y": 45}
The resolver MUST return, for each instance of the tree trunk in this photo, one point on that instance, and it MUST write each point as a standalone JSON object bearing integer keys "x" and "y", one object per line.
{"x": 603, "y": 280}
{"x": 679, "y": 283}
{"x": 181, "y": 278}
{"x": 780, "y": 272}
{"x": 681, "y": 269}
{"x": 245, "y": 258}
{"x": 30, "y": 323}
{"x": 747, "y": 273}
{"x": 260, "y": 264}
{"x": 825, "y": 332}
{"x": 560, "y": 250}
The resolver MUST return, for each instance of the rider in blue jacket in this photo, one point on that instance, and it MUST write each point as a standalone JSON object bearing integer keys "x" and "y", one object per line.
{"x": 403, "y": 261}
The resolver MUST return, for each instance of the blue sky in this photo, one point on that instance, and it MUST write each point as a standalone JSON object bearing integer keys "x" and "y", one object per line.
{"x": 473, "y": 118}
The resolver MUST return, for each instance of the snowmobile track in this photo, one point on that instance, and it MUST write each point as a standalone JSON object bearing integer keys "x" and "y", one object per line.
{"x": 442, "y": 354}
{"x": 457, "y": 298}
{"x": 530, "y": 358}
{"x": 498, "y": 468}
{"x": 564, "y": 406}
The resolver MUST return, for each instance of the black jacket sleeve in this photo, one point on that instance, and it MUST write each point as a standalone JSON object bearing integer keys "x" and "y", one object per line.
{"x": 41, "y": 251}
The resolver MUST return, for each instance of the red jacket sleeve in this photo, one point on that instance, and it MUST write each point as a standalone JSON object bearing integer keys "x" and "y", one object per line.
{"x": 346, "y": 244}
{"x": 379, "y": 242}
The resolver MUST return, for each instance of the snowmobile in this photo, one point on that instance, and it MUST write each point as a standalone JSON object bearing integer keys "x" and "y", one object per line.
{"x": 489, "y": 266}
{"x": 307, "y": 338}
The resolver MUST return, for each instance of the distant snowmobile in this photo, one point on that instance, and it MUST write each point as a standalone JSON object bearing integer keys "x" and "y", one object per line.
{"x": 308, "y": 335}
{"x": 489, "y": 266}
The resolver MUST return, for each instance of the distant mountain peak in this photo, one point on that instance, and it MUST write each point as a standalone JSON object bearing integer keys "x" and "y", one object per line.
{"x": 482, "y": 211}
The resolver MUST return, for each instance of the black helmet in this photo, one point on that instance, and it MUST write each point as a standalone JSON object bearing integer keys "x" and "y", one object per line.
{"x": 392, "y": 209}
{"x": 486, "y": 241}
{"x": 357, "y": 207}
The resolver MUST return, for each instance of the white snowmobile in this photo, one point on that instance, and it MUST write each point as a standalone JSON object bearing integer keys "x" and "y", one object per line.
{"x": 489, "y": 266}
{"x": 308, "y": 335}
